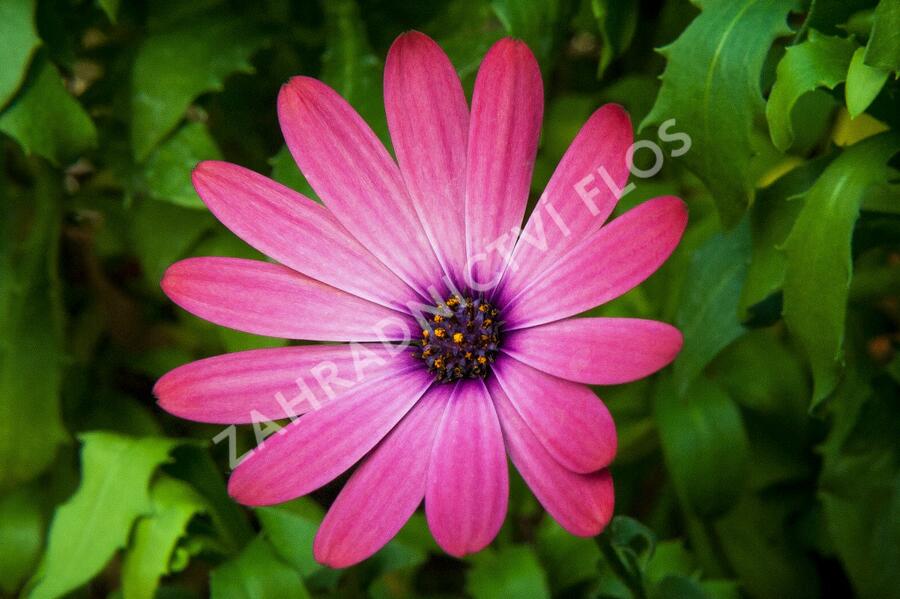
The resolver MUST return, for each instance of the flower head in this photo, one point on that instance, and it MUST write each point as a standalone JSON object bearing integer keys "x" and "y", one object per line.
{"x": 461, "y": 344}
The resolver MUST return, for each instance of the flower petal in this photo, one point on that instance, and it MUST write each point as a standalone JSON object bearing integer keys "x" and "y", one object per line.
{"x": 429, "y": 123}
{"x": 319, "y": 446}
{"x": 606, "y": 264}
{"x": 596, "y": 351}
{"x": 293, "y": 230}
{"x": 468, "y": 484}
{"x": 571, "y": 422}
{"x": 268, "y": 384}
{"x": 507, "y": 108}
{"x": 357, "y": 179}
{"x": 579, "y": 197}
{"x": 581, "y": 503}
{"x": 269, "y": 299}
{"x": 385, "y": 490}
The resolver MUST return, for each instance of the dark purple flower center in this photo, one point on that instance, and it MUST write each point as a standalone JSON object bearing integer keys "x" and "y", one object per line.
{"x": 462, "y": 339}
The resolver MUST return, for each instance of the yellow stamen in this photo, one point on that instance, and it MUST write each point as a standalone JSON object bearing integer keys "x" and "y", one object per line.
{"x": 457, "y": 337}
{"x": 426, "y": 333}
{"x": 439, "y": 333}
{"x": 438, "y": 318}
{"x": 482, "y": 360}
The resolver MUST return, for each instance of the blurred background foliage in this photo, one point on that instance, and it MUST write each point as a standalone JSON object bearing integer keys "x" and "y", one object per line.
{"x": 764, "y": 463}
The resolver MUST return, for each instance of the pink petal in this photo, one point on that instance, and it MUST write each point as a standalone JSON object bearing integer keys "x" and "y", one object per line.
{"x": 429, "y": 122}
{"x": 603, "y": 266}
{"x": 468, "y": 483}
{"x": 385, "y": 490}
{"x": 577, "y": 200}
{"x": 571, "y": 422}
{"x": 507, "y": 108}
{"x": 269, "y": 299}
{"x": 269, "y": 384}
{"x": 596, "y": 351}
{"x": 293, "y": 229}
{"x": 581, "y": 503}
{"x": 355, "y": 176}
{"x": 319, "y": 446}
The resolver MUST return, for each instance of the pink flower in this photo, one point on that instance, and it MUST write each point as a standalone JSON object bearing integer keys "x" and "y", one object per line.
{"x": 487, "y": 359}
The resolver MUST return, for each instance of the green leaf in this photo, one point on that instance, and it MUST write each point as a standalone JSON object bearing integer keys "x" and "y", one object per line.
{"x": 818, "y": 251}
{"x": 45, "y": 119}
{"x": 711, "y": 87}
{"x": 194, "y": 465}
{"x": 256, "y": 573}
{"x": 617, "y": 22}
{"x": 567, "y": 559}
{"x": 155, "y": 536}
{"x": 168, "y": 170}
{"x": 859, "y": 484}
{"x": 771, "y": 218}
{"x": 172, "y": 68}
{"x": 757, "y": 540}
{"x": 183, "y": 229}
{"x": 22, "y": 531}
{"x": 704, "y": 444}
{"x": 863, "y": 83}
{"x": 708, "y": 313}
{"x": 111, "y": 8}
{"x": 96, "y": 521}
{"x": 820, "y": 61}
{"x": 18, "y": 41}
{"x": 351, "y": 67}
{"x": 291, "y": 528}
{"x": 883, "y": 49}
{"x": 31, "y": 331}
{"x": 511, "y": 571}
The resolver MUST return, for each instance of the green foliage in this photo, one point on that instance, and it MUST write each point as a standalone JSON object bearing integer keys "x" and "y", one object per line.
{"x": 820, "y": 61}
{"x": 18, "y": 40}
{"x": 151, "y": 552}
{"x": 172, "y": 68}
{"x": 31, "y": 335}
{"x": 256, "y": 573}
{"x": 97, "y": 519}
{"x": 762, "y": 463}
{"x": 711, "y": 87}
{"x": 816, "y": 282}
{"x": 883, "y": 49}
{"x": 46, "y": 120}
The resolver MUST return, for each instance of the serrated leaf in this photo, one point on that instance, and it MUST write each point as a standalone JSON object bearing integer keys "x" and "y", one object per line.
{"x": 818, "y": 250}
{"x": 156, "y": 535}
{"x": 172, "y": 68}
{"x": 96, "y": 521}
{"x": 820, "y": 61}
{"x": 511, "y": 571}
{"x": 46, "y": 120}
{"x": 18, "y": 41}
{"x": 256, "y": 573}
{"x": 883, "y": 49}
{"x": 168, "y": 170}
{"x": 704, "y": 444}
{"x": 708, "y": 313}
{"x": 31, "y": 331}
{"x": 711, "y": 87}
{"x": 863, "y": 83}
